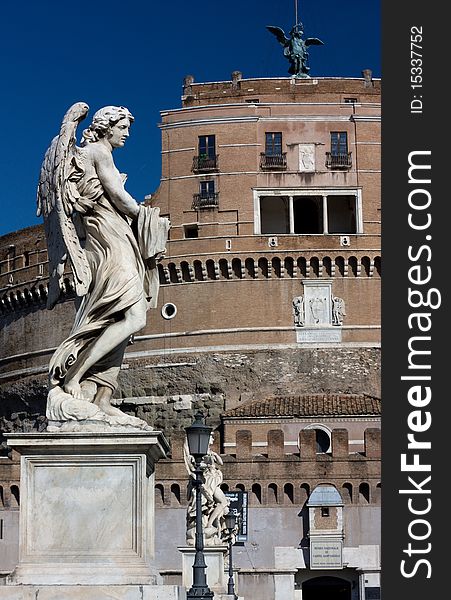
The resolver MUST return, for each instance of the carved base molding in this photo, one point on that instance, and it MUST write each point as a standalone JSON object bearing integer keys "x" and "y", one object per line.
{"x": 87, "y": 515}
{"x": 92, "y": 592}
{"x": 214, "y": 559}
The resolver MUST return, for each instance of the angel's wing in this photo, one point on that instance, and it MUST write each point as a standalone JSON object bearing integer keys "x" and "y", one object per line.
{"x": 279, "y": 33}
{"x": 313, "y": 42}
{"x": 55, "y": 199}
{"x": 188, "y": 459}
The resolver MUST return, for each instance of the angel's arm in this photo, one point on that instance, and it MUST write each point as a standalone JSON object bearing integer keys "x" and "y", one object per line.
{"x": 216, "y": 457}
{"x": 112, "y": 183}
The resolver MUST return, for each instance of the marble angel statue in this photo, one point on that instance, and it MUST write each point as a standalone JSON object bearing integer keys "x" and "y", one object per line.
{"x": 215, "y": 504}
{"x": 112, "y": 244}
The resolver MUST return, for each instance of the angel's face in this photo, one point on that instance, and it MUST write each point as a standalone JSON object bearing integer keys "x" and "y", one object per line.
{"x": 118, "y": 133}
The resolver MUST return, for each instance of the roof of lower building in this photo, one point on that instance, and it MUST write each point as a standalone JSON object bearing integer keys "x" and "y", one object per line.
{"x": 310, "y": 405}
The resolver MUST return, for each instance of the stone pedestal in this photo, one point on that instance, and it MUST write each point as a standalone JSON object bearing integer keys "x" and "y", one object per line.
{"x": 91, "y": 592}
{"x": 214, "y": 559}
{"x": 87, "y": 510}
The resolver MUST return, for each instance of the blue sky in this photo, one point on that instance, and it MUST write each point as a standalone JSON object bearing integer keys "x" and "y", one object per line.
{"x": 136, "y": 54}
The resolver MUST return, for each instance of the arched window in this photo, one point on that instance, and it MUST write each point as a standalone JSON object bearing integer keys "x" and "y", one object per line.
{"x": 288, "y": 493}
{"x": 305, "y": 492}
{"x": 249, "y": 266}
{"x": 289, "y": 266}
{"x": 314, "y": 266}
{"x": 211, "y": 273}
{"x": 340, "y": 266}
{"x": 256, "y": 493}
{"x": 366, "y": 265}
{"x": 276, "y": 267}
{"x": 15, "y": 496}
{"x": 224, "y": 487}
{"x": 272, "y": 493}
{"x": 327, "y": 264}
{"x": 302, "y": 266}
{"x": 377, "y": 494}
{"x": 159, "y": 495}
{"x": 352, "y": 262}
{"x": 377, "y": 265}
{"x": 223, "y": 268}
{"x": 322, "y": 438}
{"x": 240, "y": 487}
{"x": 175, "y": 493}
{"x": 236, "y": 268}
{"x": 347, "y": 493}
{"x": 364, "y": 493}
{"x": 186, "y": 276}
{"x": 2, "y": 498}
{"x": 198, "y": 274}
{"x": 263, "y": 267}
{"x": 172, "y": 273}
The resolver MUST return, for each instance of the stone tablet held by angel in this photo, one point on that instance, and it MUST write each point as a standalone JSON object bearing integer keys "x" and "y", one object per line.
{"x": 112, "y": 244}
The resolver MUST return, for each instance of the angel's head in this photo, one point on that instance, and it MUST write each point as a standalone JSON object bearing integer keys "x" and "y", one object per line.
{"x": 111, "y": 123}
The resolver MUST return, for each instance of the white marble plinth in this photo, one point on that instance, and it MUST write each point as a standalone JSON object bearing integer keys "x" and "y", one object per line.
{"x": 214, "y": 559}
{"x": 91, "y": 592}
{"x": 87, "y": 508}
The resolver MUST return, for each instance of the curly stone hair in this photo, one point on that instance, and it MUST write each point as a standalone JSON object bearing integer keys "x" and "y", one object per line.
{"x": 104, "y": 119}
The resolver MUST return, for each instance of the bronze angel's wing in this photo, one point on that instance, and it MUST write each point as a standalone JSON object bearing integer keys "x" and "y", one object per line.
{"x": 56, "y": 196}
{"x": 279, "y": 33}
{"x": 313, "y": 42}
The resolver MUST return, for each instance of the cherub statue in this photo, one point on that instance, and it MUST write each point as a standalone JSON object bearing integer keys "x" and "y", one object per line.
{"x": 298, "y": 311}
{"x": 295, "y": 48}
{"x": 338, "y": 310}
{"x": 112, "y": 244}
{"x": 215, "y": 504}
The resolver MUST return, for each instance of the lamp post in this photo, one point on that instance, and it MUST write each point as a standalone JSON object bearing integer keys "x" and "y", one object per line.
{"x": 198, "y": 435}
{"x": 230, "y": 522}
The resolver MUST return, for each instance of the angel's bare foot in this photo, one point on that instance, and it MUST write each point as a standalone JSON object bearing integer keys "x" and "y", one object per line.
{"x": 103, "y": 401}
{"x": 73, "y": 388}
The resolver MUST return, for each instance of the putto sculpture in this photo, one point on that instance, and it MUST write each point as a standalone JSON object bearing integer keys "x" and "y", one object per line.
{"x": 215, "y": 504}
{"x": 295, "y": 48}
{"x": 112, "y": 244}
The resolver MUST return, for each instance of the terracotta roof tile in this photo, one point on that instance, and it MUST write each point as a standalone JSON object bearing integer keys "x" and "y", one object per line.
{"x": 309, "y": 406}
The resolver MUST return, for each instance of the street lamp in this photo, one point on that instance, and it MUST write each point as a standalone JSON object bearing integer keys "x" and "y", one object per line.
{"x": 198, "y": 436}
{"x": 230, "y": 523}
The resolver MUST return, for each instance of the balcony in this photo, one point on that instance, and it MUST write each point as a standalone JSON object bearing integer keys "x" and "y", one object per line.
{"x": 205, "y": 201}
{"x": 339, "y": 161}
{"x": 205, "y": 164}
{"x": 273, "y": 162}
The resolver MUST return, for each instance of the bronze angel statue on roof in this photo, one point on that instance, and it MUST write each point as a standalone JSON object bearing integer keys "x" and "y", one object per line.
{"x": 295, "y": 48}
{"x": 112, "y": 244}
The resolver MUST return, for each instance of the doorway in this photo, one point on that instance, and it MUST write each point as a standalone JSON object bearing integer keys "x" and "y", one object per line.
{"x": 326, "y": 588}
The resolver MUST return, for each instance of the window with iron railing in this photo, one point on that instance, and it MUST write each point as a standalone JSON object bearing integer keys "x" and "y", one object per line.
{"x": 206, "y": 159}
{"x": 207, "y": 197}
{"x": 338, "y": 157}
{"x": 273, "y": 158}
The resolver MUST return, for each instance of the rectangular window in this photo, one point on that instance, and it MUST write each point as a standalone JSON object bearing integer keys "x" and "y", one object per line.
{"x": 338, "y": 143}
{"x": 207, "y": 188}
{"x": 273, "y": 143}
{"x": 309, "y": 214}
{"x": 207, "y": 146}
{"x": 341, "y": 214}
{"x": 324, "y": 511}
{"x": 191, "y": 231}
